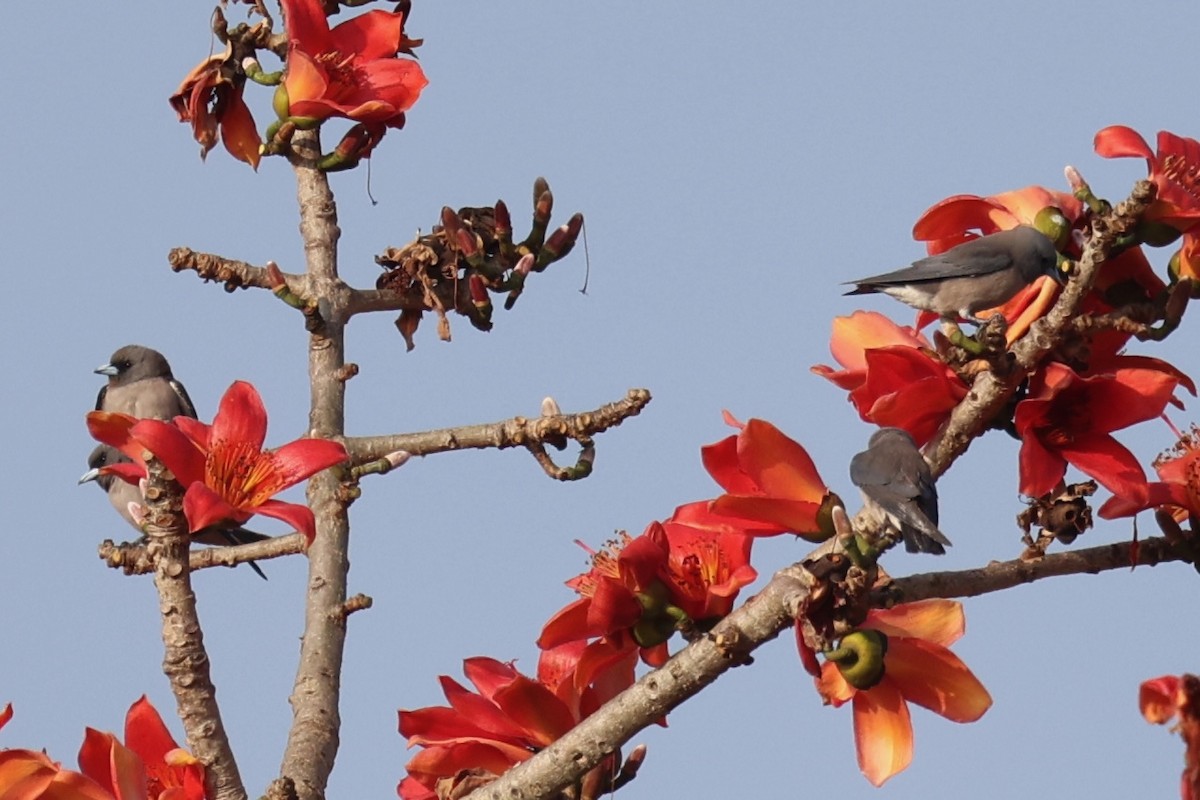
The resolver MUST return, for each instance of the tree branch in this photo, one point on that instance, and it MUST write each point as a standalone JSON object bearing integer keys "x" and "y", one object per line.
{"x": 134, "y": 558}
{"x": 313, "y": 738}
{"x": 555, "y": 429}
{"x": 185, "y": 660}
{"x": 760, "y": 619}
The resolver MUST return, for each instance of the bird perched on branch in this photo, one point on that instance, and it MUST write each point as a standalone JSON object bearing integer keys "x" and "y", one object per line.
{"x": 897, "y": 489}
{"x": 141, "y": 385}
{"x": 975, "y": 275}
{"x": 127, "y": 499}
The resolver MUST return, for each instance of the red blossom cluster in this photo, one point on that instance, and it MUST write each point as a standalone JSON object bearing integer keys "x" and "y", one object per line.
{"x": 148, "y": 766}
{"x": 351, "y": 70}
{"x": 683, "y": 575}
{"x": 1072, "y": 403}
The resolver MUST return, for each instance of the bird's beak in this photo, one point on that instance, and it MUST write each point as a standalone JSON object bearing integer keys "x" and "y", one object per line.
{"x": 90, "y": 475}
{"x": 105, "y": 369}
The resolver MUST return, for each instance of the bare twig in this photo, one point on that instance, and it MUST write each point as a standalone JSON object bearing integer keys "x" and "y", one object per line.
{"x": 185, "y": 660}
{"x": 234, "y": 274}
{"x": 133, "y": 558}
{"x": 759, "y": 620}
{"x": 515, "y": 432}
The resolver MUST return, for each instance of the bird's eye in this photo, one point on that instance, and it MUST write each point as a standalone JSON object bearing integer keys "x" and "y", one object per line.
{"x": 124, "y": 365}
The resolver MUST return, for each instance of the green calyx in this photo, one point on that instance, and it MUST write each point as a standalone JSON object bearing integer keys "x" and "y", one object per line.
{"x": 860, "y": 657}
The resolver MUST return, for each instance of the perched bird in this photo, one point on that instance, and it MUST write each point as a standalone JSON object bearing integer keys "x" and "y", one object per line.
{"x": 982, "y": 273}
{"x": 127, "y": 499}
{"x": 140, "y": 384}
{"x": 897, "y": 487}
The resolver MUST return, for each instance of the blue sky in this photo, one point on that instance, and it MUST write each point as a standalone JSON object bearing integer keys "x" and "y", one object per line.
{"x": 735, "y": 164}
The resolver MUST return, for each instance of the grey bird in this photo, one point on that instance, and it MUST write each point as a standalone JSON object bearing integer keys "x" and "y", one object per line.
{"x": 140, "y": 384}
{"x": 975, "y": 275}
{"x": 897, "y": 488}
{"x": 126, "y": 498}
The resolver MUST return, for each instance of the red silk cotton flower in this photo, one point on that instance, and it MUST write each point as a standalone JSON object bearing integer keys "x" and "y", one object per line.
{"x": 226, "y": 474}
{"x": 1178, "y": 487}
{"x": 894, "y": 377}
{"x": 917, "y": 668}
{"x": 482, "y": 733}
{"x": 641, "y": 590}
{"x": 1069, "y": 418}
{"x": 770, "y": 482}
{"x": 148, "y": 766}
{"x": 1174, "y": 169}
{"x": 350, "y": 70}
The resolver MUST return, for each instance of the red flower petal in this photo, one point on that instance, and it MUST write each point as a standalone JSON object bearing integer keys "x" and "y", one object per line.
{"x": 1159, "y": 699}
{"x": 489, "y": 675}
{"x": 204, "y": 507}
{"x": 306, "y": 25}
{"x": 173, "y": 448}
{"x": 300, "y": 517}
{"x": 1108, "y": 461}
{"x": 1120, "y": 141}
{"x": 371, "y": 36}
{"x": 241, "y": 417}
{"x": 146, "y": 734}
{"x": 303, "y": 458}
{"x": 536, "y": 708}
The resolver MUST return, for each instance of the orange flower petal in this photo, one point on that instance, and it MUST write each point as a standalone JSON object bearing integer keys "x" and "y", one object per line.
{"x": 832, "y": 687}
{"x": 778, "y": 464}
{"x": 864, "y": 330}
{"x": 939, "y": 621}
{"x": 933, "y": 677}
{"x": 882, "y": 732}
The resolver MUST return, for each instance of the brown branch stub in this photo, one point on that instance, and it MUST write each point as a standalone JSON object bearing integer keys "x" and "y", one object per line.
{"x": 358, "y": 602}
{"x": 185, "y": 660}
{"x": 515, "y": 432}
{"x": 133, "y": 559}
{"x": 234, "y": 274}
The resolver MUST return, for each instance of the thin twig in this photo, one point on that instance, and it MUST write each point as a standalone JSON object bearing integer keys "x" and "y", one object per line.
{"x": 133, "y": 558}
{"x": 515, "y": 432}
{"x": 234, "y": 274}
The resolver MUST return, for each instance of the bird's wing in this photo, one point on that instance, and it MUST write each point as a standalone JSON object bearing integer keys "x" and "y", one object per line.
{"x": 185, "y": 402}
{"x": 940, "y": 267}
{"x": 100, "y": 397}
{"x": 906, "y": 511}
{"x": 873, "y": 468}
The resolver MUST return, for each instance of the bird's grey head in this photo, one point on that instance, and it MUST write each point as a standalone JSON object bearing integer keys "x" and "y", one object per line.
{"x": 892, "y": 436}
{"x": 1034, "y": 254}
{"x": 98, "y": 459}
{"x": 134, "y": 363}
